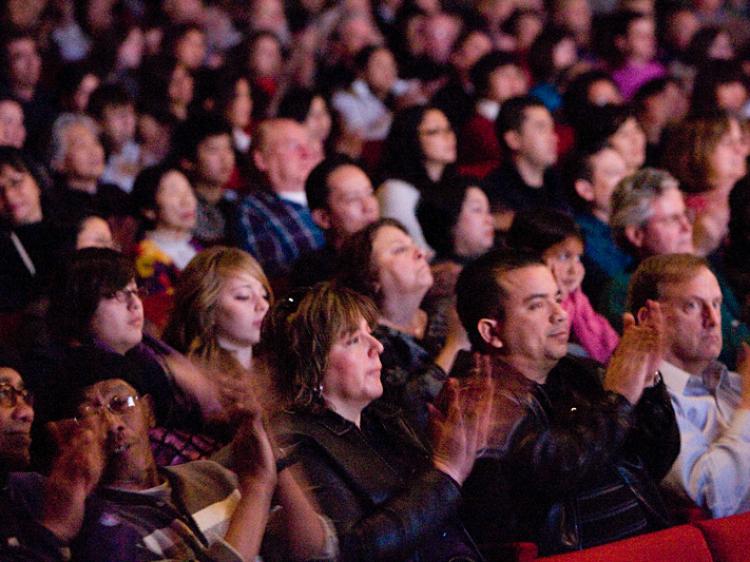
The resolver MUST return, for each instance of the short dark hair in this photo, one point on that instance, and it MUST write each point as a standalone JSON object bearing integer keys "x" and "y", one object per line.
{"x": 438, "y": 212}
{"x": 296, "y": 103}
{"x": 576, "y": 97}
{"x": 480, "y": 72}
{"x": 578, "y": 166}
{"x": 601, "y": 123}
{"x": 356, "y": 269}
{"x": 192, "y": 132}
{"x": 512, "y": 116}
{"x": 107, "y": 95}
{"x": 538, "y": 230}
{"x": 92, "y": 274}
{"x": 316, "y": 185}
{"x": 479, "y": 293}
{"x": 541, "y": 61}
{"x": 647, "y": 283}
{"x": 145, "y": 188}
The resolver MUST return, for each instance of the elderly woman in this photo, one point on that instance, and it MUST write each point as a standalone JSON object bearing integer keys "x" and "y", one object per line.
{"x": 383, "y": 263}
{"x": 389, "y": 496}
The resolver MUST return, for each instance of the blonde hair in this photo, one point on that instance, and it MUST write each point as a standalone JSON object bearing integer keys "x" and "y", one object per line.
{"x": 192, "y": 324}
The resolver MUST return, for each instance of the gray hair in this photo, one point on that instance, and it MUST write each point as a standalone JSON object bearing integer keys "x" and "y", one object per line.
{"x": 58, "y": 145}
{"x": 632, "y": 199}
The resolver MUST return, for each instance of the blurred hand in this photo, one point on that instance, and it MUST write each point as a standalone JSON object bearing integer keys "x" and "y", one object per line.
{"x": 637, "y": 358}
{"x": 254, "y": 460}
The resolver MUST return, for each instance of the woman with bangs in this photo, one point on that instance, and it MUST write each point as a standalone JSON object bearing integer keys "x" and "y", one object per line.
{"x": 708, "y": 155}
{"x": 389, "y": 495}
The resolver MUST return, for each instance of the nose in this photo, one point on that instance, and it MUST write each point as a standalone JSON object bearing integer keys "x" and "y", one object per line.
{"x": 712, "y": 316}
{"x": 112, "y": 421}
{"x": 375, "y": 344}
{"x": 559, "y": 315}
{"x": 23, "y": 411}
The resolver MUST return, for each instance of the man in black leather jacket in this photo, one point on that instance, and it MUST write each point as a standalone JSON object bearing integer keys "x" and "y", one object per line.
{"x": 576, "y": 453}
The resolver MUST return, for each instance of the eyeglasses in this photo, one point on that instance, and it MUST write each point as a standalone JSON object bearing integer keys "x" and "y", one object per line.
{"x": 124, "y": 295}
{"x": 118, "y": 405}
{"x": 9, "y": 395}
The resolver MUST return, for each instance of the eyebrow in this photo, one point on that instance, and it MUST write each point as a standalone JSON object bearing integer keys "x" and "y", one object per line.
{"x": 537, "y": 296}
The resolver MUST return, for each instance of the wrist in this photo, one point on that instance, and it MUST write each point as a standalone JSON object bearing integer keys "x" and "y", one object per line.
{"x": 449, "y": 470}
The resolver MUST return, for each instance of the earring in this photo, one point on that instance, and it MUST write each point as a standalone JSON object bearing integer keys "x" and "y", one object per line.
{"x": 318, "y": 390}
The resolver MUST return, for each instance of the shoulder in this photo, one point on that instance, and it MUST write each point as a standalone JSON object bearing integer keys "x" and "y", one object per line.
{"x": 203, "y": 475}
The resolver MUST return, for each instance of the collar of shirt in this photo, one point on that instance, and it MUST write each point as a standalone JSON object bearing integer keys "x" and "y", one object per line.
{"x": 687, "y": 384}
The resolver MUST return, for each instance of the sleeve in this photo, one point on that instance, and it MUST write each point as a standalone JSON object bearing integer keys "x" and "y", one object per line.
{"x": 556, "y": 453}
{"x": 714, "y": 473}
{"x": 390, "y": 531}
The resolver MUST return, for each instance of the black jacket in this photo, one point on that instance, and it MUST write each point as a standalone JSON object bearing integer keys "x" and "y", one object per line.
{"x": 560, "y": 441}
{"x": 378, "y": 487}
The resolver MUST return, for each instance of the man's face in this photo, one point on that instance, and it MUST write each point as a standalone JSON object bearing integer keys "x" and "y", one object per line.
{"x": 84, "y": 158}
{"x": 534, "y": 332}
{"x": 641, "y": 39}
{"x": 351, "y": 202}
{"x": 693, "y": 320}
{"x": 507, "y": 81}
{"x": 286, "y": 158}
{"x": 127, "y": 419}
{"x": 15, "y": 422}
{"x": 24, "y": 63}
{"x": 215, "y": 160}
{"x": 537, "y": 139}
{"x": 669, "y": 230}
{"x": 12, "y": 130}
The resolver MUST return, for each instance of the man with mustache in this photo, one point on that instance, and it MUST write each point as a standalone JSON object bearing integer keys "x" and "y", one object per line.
{"x": 712, "y": 404}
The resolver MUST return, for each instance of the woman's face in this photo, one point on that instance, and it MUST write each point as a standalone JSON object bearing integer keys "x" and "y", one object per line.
{"x": 265, "y": 58}
{"x": 731, "y": 96}
{"x": 94, "y": 233}
{"x": 241, "y": 107}
{"x": 118, "y": 319}
{"x": 130, "y": 53}
{"x": 564, "y": 55}
{"x": 474, "y": 232}
{"x": 352, "y": 377}
{"x": 175, "y": 203}
{"x": 721, "y": 48}
{"x": 19, "y": 196}
{"x": 318, "y": 120}
{"x": 437, "y": 138}
{"x": 240, "y": 309}
{"x": 400, "y": 264}
{"x": 630, "y": 141}
{"x": 603, "y": 92}
{"x": 81, "y": 96}
{"x": 727, "y": 162}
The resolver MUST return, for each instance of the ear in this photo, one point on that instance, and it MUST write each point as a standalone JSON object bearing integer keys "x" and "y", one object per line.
{"x": 584, "y": 189}
{"x": 489, "y": 331}
{"x": 186, "y": 164}
{"x": 513, "y": 140}
{"x": 148, "y": 405}
{"x": 259, "y": 160}
{"x": 150, "y": 214}
{"x": 641, "y": 315}
{"x": 634, "y": 234}
{"x": 322, "y": 218}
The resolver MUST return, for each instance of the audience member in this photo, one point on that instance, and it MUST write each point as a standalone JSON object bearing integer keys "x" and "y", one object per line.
{"x": 574, "y": 455}
{"x": 389, "y": 495}
{"x": 419, "y": 155}
{"x": 710, "y": 402}
{"x": 275, "y": 224}
{"x": 617, "y": 126}
{"x": 635, "y": 42}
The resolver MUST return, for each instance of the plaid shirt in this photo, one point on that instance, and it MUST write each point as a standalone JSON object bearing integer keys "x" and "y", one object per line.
{"x": 276, "y": 231}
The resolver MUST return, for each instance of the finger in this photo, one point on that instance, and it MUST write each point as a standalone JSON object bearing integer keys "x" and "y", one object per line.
{"x": 628, "y": 322}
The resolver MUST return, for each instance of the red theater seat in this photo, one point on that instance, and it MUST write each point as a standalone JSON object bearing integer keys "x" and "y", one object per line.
{"x": 684, "y": 543}
{"x": 728, "y": 538}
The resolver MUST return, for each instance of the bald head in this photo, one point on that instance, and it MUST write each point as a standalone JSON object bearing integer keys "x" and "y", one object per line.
{"x": 283, "y": 152}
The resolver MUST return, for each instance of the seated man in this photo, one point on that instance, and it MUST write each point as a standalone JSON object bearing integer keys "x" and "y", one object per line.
{"x": 197, "y": 510}
{"x": 341, "y": 200}
{"x": 712, "y": 404}
{"x": 275, "y": 224}
{"x": 649, "y": 218}
{"x": 574, "y": 455}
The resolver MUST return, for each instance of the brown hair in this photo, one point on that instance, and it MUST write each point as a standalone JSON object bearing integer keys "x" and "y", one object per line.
{"x": 298, "y": 334}
{"x": 655, "y": 272}
{"x": 356, "y": 268}
{"x": 192, "y": 324}
{"x": 689, "y": 150}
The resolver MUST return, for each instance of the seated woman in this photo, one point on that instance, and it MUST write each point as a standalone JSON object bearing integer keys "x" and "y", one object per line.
{"x": 163, "y": 198}
{"x": 383, "y": 263}
{"x": 557, "y": 239}
{"x": 96, "y": 318}
{"x": 390, "y": 496}
{"x": 29, "y": 244}
{"x": 219, "y": 304}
